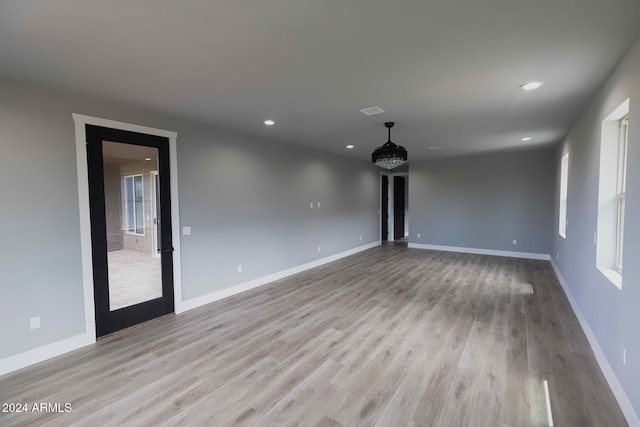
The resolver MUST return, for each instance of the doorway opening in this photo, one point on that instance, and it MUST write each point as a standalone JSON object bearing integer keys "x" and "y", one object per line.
{"x": 91, "y": 270}
{"x": 394, "y": 207}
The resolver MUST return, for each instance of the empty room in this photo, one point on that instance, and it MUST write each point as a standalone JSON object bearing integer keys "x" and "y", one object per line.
{"x": 288, "y": 213}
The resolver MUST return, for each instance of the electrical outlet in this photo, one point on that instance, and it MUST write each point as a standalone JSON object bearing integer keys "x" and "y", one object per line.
{"x": 595, "y": 238}
{"x": 318, "y": 204}
{"x": 239, "y": 269}
{"x": 558, "y": 255}
{"x": 624, "y": 356}
{"x": 418, "y": 235}
{"x": 311, "y": 205}
{"x": 515, "y": 242}
{"x": 360, "y": 237}
{"x": 186, "y": 231}
{"x": 34, "y": 322}
{"x": 319, "y": 248}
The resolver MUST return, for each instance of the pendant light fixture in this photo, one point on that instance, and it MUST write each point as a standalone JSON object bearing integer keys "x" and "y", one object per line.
{"x": 389, "y": 155}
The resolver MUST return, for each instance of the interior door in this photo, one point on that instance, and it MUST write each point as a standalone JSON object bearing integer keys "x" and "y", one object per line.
{"x": 131, "y": 285}
{"x": 398, "y": 207}
{"x": 384, "y": 208}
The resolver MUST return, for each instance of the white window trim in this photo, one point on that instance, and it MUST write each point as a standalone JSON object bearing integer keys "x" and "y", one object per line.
{"x": 610, "y": 197}
{"x": 621, "y": 191}
{"x": 564, "y": 192}
{"x": 126, "y": 206}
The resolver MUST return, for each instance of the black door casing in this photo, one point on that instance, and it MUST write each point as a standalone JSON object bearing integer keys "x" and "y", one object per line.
{"x": 398, "y": 207}
{"x": 384, "y": 209}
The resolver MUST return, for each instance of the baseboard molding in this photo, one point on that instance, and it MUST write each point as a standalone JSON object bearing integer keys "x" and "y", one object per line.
{"x": 511, "y": 254}
{"x": 40, "y": 354}
{"x": 612, "y": 379}
{"x": 22, "y": 360}
{"x": 236, "y": 289}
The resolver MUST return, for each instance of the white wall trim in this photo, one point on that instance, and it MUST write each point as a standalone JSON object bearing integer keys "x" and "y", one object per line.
{"x": 85, "y": 228}
{"x": 27, "y": 358}
{"x": 528, "y": 255}
{"x": 85, "y": 220}
{"x": 236, "y": 289}
{"x": 612, "y": 379}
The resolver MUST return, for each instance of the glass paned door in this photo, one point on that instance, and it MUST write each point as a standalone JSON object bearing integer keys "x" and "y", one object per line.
{"x": 129, "y": 184}
{"x": 130, "y": 227}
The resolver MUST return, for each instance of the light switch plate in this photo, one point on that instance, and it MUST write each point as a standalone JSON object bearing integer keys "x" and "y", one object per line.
{"x": 186, "y": 231}
{"x": 34, "y": 322}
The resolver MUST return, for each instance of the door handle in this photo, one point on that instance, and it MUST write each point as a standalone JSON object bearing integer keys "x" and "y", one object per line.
{"x": 167, "y": 250}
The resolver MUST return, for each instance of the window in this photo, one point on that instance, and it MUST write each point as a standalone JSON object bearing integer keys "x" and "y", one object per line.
{"x": 621, "y": 189}
{"x": 564, "y": 181}
{"x": 611, "y": 194}
{"x": 134, "y": 204}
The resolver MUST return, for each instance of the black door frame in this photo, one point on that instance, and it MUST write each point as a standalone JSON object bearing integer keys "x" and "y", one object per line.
{"x": 399, "y": 203}
{"x": 111, "y": 321}
{"x": 387, "y": 209}
{"x": 384, "y": 207}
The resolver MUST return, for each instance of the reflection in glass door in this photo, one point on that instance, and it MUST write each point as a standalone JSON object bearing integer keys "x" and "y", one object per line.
{"x": 134, "y": 271}
{"x": 155, "y": 206}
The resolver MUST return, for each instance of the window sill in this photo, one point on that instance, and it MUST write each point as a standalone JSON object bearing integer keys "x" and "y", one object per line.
{"x": 613, "y": 276}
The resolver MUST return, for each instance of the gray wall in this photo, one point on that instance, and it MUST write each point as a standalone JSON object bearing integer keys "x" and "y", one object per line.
{"x": 250, "y": 206}
{"x": 247, "y": 200}
{"x": 484, "y": 201}
{"x": 612, "y": 314}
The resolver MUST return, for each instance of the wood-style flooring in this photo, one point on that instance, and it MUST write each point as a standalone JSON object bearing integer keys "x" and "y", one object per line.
{"x": 387, "y": 337}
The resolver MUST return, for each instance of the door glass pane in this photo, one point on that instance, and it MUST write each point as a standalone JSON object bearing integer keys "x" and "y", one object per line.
{"x": 131, "y": 203}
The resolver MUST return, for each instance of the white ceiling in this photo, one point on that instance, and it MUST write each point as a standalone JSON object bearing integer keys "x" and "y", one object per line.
{"x": 446, "y": 71}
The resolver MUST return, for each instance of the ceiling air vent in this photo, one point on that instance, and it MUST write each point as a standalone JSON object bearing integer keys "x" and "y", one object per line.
{"x": 372, "y": 110}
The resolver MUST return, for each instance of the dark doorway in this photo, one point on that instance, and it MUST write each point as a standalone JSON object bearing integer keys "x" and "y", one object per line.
{"x": 130, "y": 208}
{"x": 384, "y": 209}
{"x": 398, "y": 207}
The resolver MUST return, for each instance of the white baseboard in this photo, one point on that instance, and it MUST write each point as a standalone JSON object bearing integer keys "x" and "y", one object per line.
{"x": 31, "y": 357}
{"x": 612, "y": 379}
{"x": 22, "y": 360}
{"x": 528, "y": 255}
{"x": 241, "y": 287}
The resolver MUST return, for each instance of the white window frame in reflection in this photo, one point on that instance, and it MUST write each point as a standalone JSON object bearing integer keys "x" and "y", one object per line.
{"x": 131, "y": 222}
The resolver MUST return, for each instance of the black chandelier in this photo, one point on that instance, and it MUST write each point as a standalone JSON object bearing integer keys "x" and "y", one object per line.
{"x": 389, "y": 155}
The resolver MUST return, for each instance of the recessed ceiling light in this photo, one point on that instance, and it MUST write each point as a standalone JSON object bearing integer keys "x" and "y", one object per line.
{"x": 148, "y": 159}
{"x": 530, "y": 85}
{"x": 435, "y": 148}
{"x": 349, "y": 146}
{"x": 269, "y": 122}
{"x": 525, "y": 138}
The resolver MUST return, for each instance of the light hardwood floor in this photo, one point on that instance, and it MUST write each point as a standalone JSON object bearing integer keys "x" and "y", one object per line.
{"x": 388, "y": 337}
